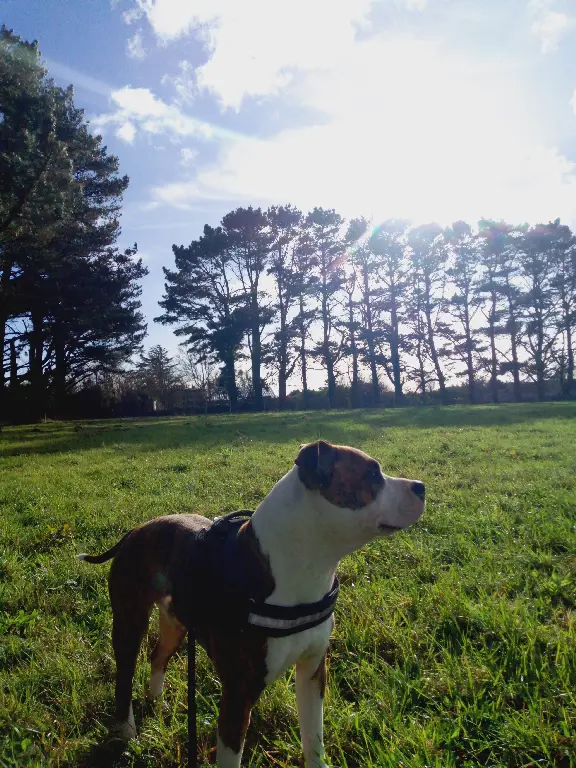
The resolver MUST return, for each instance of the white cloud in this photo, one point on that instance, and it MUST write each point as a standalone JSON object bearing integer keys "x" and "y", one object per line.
{"x": 132, "y": 15}
{"x": 126, "y": 131}
{"x": 135, "y": 46}
{"x": 549, "y": 25}
{"x": 415, "y": 5}
{"x": 407, "y": 130}
{"x": 146, "y": 112}
{"x": 256, "y": 45}
{"x": 550, "y": 29}
{"x": 184, "y": 83}
{"x": 188, "y": 156}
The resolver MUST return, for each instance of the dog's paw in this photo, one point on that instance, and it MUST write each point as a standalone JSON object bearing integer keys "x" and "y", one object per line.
{"x": 123, "y": 731}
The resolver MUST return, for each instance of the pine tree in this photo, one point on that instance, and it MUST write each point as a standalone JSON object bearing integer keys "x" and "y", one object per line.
{"x": 366, "y": 262}
{"x": 285, "y": 228}
{"x": 328, "y": 251}
{"x": 200, "y": 299}
{"x": 464, "y": 304}
{"x": 249, "y": 240}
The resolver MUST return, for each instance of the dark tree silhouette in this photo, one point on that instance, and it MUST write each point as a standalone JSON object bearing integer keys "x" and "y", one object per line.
{"x": 202, "y": 301}
{"x": 329, "y": 253}
{"x": 362, "y": 256}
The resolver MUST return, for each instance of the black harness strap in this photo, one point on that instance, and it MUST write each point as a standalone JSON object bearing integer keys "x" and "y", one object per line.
{"x": 220, "y": 541}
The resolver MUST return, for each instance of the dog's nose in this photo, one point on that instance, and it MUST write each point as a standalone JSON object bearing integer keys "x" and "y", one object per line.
{"x": 419, "y": 489}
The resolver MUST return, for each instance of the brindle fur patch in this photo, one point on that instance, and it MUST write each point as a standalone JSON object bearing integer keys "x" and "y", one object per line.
{"x": 356, "y": 479}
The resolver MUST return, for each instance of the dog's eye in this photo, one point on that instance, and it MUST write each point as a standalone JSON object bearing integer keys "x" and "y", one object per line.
{"x": 375, "y": 476}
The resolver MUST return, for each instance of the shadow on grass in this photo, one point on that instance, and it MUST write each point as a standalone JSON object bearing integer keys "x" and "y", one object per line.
{"x": 349, "y": 427}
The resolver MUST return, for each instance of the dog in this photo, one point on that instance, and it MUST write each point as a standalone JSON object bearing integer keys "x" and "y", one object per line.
{"x": 334, "y": 500}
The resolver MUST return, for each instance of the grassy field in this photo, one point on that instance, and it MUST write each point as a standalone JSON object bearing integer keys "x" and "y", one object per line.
{"x": 455, "y": 642}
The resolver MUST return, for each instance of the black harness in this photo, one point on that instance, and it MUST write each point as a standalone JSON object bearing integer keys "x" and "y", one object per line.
{"x": 235, "y": 601}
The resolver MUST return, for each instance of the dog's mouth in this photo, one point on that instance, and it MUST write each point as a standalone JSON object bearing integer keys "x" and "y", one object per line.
{"x": 389, "y": 528}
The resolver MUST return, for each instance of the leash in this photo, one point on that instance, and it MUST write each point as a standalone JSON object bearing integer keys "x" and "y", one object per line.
{"x": 273, "y": 620}
{"x": 192, "y": 735}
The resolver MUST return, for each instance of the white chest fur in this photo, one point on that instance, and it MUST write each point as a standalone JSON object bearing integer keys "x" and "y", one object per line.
{"x": 307, "y": 646}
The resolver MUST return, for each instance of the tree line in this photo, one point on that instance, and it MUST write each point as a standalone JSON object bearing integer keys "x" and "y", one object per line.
{"x": 69, "y": 306}
{"x": 263, "y": 300}
{"x": 411, "y": 309}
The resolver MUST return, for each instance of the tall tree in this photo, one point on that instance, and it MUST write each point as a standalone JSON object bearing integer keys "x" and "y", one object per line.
{"x": 249, "y": 242}
{"x": 285, "y": 228}
{"x": 34, "y": 168}
{"x": 495, "y": 241}
{"x": 328, "y": 249}
{"x": 307, "y": 285}
{"x": 201, "y": 300}
{"x": 388, "y": 243}
{"x": 60, "y": 196}
{"x": 429, "y": 259}
{"x": 157, "y": 375}
{"x": 506, "y": 279}
{"x": 464, "y": 304}
{"x": 366, "y": 261}
{"x": 564, "y": 284}
{"x": 350, "y": 329}
{"x": 539, "y": 254}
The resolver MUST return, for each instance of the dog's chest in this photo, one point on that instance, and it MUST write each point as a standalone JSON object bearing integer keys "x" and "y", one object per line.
{"x": 284, "y": 652}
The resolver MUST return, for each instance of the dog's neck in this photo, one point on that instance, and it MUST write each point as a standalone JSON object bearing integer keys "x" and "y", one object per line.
{"x": 303, "y": 555}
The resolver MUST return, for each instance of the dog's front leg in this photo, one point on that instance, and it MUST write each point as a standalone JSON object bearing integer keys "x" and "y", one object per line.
{"x": 310, "y": 686}
{"x": 235, "y": 708}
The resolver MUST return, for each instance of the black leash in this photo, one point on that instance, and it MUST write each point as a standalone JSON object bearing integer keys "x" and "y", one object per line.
{"x": 219, "y": 524}
{"x": 273, "y": 620}
{"x": 192, "y": 735}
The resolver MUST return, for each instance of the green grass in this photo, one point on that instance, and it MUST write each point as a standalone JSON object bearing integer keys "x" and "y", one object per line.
{"x": 455, "y": 642}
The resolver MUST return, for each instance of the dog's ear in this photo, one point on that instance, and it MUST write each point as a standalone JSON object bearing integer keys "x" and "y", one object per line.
{"x": 315, "y": 464}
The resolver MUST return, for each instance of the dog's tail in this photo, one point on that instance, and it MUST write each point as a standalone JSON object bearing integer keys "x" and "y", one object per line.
{"x": 108, "y": 555}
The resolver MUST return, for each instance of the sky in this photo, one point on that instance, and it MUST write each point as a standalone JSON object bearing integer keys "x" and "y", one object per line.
{"x": 426, "y": 109}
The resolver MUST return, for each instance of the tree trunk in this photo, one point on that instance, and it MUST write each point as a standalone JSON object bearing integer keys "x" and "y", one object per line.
{"x": 432, "y": 344}
{"x": 7, "y": 268}
{"x": 283, "y": 362}
{"x": 3, "y": 321}
{"x": 516, "y": 364}
{"x": 370, "y": 338}
{"x": 230, "y": 381}
{"x": 282, "y": 384}
{"x": 540, "y": 367}
{"x": 422, "y": 374}
{"x": 13, "y": 366}
{"x": 59, "y": 369}
{"x": 469, "y": 357}
{"x": 38, "y": 403}
{"x": 326, "y": 352}
{"x": 256, "y": 353}
{"x": 513, "y": 325}
{"x": 493, "y": 353}
{"x": 303, "y": 361}
{"x": 354, "y": 349}
{"x": 570, "y": 361}
{"x": 395, "y": 347}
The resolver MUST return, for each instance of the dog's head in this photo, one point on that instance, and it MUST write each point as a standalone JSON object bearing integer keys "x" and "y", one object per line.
{"x": 349, "y": 486}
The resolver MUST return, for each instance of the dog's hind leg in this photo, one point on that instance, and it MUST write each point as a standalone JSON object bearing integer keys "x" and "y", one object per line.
{"x": 127, "y": 634}
{"x": 169, "y": 640}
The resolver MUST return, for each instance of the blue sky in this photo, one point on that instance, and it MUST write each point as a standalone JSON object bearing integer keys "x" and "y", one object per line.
{"x": 429, "y": 109}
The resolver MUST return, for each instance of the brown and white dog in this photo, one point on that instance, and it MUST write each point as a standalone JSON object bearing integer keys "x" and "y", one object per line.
{"x": 332, "y": 502}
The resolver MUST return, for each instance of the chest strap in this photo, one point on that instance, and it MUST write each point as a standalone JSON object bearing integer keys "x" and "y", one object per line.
{"x": 284, "y": 620}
